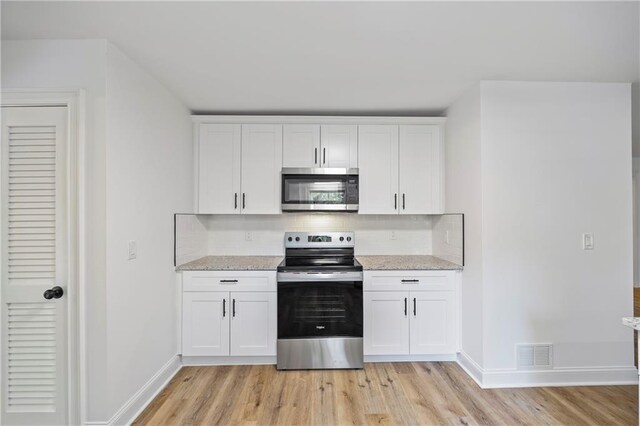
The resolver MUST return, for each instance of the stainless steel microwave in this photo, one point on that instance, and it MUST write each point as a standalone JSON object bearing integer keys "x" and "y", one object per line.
{"x": 320, "y": 189}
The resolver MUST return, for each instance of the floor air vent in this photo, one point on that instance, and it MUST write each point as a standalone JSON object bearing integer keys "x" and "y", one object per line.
{"x": 534, "y": 356}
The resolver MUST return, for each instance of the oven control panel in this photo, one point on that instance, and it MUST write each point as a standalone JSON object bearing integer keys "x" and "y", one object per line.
{"x": 318, "y": 239}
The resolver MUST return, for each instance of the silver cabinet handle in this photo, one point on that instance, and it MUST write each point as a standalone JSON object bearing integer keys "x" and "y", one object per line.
{"x": 324, "y": 155}
{"x": 224, "y": 307}
{"x": 405, "y": 306}
{"x": 315, "y": 156}
{"x": 395, "y": 201}
{"x": 243, "y": 202}
{"x": 233, "y": 308}
{"x": 235, "y": 201}
{"x": 414, "y": 306}
{"x": 403, "y": 202}
{"x": 228, "y": 281}
{"x": 410, "y": 281}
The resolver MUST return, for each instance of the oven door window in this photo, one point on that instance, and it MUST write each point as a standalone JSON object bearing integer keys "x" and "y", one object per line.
{"x": 308, "y": 309}
{"x": 319, "y": 190}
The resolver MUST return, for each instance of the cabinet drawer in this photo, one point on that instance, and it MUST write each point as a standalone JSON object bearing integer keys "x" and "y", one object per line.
{"x": 409, "y": 280}
{"x": 229, "y": 281}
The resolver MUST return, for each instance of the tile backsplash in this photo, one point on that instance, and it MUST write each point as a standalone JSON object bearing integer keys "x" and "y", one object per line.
{"x": 448, "y": 237}
{"x": 264, "y": 234}
{"x": 191, "y": 238}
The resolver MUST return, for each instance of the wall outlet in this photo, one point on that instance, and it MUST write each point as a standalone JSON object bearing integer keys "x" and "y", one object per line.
{"x": 393, "y": 235}
{"x": 248, "y": 236}
{"x": 133, "y": 250}
{"x": 446, "y": 237}
{"x": 587, "y": 242}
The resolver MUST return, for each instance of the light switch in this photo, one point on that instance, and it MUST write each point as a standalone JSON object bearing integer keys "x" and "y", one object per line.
{"x": 133, "y": 250}
{"x": 587, "y": 241}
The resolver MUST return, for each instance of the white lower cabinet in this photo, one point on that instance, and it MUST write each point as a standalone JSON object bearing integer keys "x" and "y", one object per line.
{"x": 205, "y": 323}
{"x": 236, "y": 322}
{"x": 254, "y": 322}
{"x": 410, "y": 322}
{"x": 386, "y": 326}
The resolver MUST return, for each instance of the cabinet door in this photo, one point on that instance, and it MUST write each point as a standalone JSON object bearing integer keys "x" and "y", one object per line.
{"x": 205, "y": 323}
{"x": 261, "y": 167}
{"x": 432, "y": 322}
{"x": 339, "y": 145}
{"x": 219, "y": 168}
{"x": 254, "y": 323}
{"x": 301, "y": 145}
{"x": 378, "y": 163}
{"x": 386, "y": 322}
{"x": 421, "y": 177}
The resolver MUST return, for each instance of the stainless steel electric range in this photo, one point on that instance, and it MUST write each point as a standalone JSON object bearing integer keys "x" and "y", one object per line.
{"x": 319, "y": 302}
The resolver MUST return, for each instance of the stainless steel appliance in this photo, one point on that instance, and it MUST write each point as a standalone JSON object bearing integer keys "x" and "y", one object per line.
{"x": 320, "y": 189}
{"x": 319, "y": 302}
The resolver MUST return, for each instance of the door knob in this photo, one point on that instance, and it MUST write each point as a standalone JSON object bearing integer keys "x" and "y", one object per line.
{"x": 54, "y": 293}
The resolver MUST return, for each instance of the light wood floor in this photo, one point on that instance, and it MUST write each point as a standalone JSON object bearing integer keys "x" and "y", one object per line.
{"x": 399, "y": 393}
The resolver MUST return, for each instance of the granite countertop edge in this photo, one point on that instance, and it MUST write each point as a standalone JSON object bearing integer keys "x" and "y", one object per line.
{"x": 406, "y": 263}
{"x": 232, "y": 263}
{"x": 369, "y": 263}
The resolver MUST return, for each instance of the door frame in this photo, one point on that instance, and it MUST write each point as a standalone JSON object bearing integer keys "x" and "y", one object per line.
{"x": 74, "y": 101}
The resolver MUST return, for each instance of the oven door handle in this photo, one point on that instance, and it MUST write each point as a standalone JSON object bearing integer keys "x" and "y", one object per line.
{"x": 289, "y": 277}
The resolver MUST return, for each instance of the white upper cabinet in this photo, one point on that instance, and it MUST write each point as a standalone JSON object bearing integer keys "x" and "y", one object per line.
{"x": 239, "y": 168}
{"x": 219, "y": 168}
{"x": 421, "y": 170}
{"x": 312, "y": 145}
{"x": 261, "y": 167}
{"x": 301, "y": 145}
{"x": 378, "y": 163}
{"x": 401, "y": 165}
{"x": 401, "y": 169}
{"x": 339, "y": 145}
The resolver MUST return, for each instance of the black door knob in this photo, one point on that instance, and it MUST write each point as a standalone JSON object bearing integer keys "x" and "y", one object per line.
{"x": 54, "y": 293}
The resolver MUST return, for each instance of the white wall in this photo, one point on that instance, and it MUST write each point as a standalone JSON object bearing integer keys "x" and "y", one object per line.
{"x": 149, "y": 178}
{"x": 55, "y": 64}
{"x": 464, "y": 195}
{"x": 138, "y": 161}
{"x": 556, "y": 162}
{"x": 372, "y": 232}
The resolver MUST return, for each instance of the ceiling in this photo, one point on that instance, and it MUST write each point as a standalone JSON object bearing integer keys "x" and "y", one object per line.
{"x": 356, "y": 57}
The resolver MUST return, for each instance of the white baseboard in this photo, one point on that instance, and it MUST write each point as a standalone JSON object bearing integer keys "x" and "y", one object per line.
{"x": 576, "y": 376}
{"x": 409, "y": 358}
{"x": 139, "y": 401}
{"x": 599, "y": 376}
{"x": 470, "y": 367}
{"x": 227, "y": 360}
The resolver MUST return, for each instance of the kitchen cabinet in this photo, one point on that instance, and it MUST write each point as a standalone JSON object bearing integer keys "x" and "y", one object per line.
{"x": 314, "y": 145}
{"x": 401, "y": 169}
{"x": 239, "y": 168}
{"x": 408, "y": 317}
{"x": 219, "y": 159}
{"x": 205, "y": 323}
{"x": 386, "y": 327}
{"x": 223, "y": 315}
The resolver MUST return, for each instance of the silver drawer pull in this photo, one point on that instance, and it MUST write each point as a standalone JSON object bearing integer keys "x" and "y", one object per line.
{"x": 410, "y": 281}
{"x": 228, "y": 281}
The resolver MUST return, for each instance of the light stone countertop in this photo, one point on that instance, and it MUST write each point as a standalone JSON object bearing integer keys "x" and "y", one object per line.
{"x": 633, "y": 322}
{"x": 232, "y": 263}
{"x": 408, "y": 262}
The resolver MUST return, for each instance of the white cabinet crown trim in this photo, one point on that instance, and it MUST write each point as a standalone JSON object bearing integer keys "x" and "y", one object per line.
{"x": 312, "y": 119}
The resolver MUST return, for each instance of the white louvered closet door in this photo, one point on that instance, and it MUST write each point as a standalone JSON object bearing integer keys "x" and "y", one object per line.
{"x": 34, "y": 259}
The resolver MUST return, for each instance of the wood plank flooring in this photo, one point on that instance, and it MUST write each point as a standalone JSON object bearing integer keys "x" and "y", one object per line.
{"x": 425, "y": 393}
